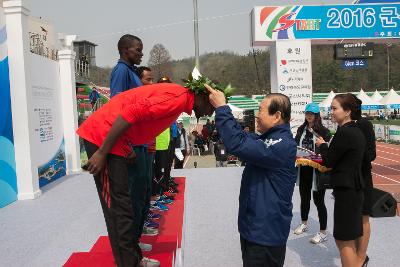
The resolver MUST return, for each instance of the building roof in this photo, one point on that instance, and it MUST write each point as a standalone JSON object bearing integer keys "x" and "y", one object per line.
{"x": 85, "y": 42}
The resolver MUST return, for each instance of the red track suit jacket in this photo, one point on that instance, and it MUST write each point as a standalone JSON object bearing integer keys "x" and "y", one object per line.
{"x": 149, "y": 109}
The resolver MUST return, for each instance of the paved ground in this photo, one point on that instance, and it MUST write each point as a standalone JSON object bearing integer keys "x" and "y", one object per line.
{"x": 206, "y": 161}
{"x": 212, "y": 239}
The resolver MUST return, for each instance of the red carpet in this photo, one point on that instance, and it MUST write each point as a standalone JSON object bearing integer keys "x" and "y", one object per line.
{"x": 164, "y": 245}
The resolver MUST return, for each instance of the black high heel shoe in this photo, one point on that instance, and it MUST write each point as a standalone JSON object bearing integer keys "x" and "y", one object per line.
{"x": 365, "y": 264}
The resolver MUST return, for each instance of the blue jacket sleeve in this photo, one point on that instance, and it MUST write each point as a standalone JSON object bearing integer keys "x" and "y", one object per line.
{"x": 118, "y": 81}
{"x": 244, "y": 145}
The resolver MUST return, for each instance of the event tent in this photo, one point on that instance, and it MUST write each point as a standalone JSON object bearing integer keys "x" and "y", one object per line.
{"x": 326, "y": 103}
{"x": 367, "y": 102}
{"x": 377, "y": 96}
{"x": 391, "y": 100}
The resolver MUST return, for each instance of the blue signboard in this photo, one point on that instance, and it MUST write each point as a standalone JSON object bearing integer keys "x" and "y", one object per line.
{"x": 371, "y": 107}
{"x": 354, "y": 64}
{"x": 375, "y": 1}
{"x": 8, "y": 177}
{"x": 366, "y": 21}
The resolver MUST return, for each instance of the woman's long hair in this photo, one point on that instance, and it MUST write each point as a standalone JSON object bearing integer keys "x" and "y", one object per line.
{"x": 318, "y": 126}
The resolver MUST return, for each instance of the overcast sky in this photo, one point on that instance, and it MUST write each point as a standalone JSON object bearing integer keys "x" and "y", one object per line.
{"x": 103, "y": 22}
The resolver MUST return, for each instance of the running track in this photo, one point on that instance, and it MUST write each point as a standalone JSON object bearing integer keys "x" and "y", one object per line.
{"x": 386, "y": 168}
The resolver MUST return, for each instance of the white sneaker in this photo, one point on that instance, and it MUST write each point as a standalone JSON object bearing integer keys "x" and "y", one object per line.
{"x": 319, "y": 238}
{"x": 146, "y": 262}
{"x": 149, "y": 231}
{"x": 301, "y": 229}
{"x": 145, "y": 247}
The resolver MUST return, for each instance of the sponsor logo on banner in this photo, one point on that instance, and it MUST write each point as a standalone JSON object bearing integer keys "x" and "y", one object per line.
{"x": 273, "y": 23}
{"x": 394, "y": 132}
{"x": 379, "y": 131}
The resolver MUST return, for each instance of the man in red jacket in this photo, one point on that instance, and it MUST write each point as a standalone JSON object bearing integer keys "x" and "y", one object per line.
{"x": 130, "y": 118}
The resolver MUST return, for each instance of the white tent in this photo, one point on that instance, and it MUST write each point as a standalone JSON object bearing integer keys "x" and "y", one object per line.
{"x": 367, "y": 102}
{"x": 391, "y": 100}
{"x": 377, "y": 96}
{"x": 236, "y": 112}
{"x": 326, "y": 103}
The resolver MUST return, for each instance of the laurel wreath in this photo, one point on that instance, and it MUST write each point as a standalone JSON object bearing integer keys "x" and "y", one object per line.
{"x": 197, "y": 85}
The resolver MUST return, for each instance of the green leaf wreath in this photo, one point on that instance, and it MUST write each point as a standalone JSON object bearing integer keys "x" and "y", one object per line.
{"x": 197, "y": 85}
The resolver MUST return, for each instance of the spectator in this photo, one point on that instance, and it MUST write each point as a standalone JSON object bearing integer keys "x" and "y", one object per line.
{"x": 205, "y": 133}
{"x": 209, "y": 126}
{"x": 199, "y": 142}
{"x": 221, "y": 156}
{"x": 182, "y": 143}
{"x": 213, "y": 126}
{"x": 94, "y": 95}
{"x": 214, "y": 136}
{"x": 192, "y": 138}
{"x": 307, "y": 175}
{"x": 345, "y": 156}
{"x": 265, "y": 201}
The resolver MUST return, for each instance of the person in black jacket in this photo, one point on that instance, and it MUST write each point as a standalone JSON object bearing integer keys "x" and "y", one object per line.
{"x": 345, "y": 156}
{"x": 182, "y": 143}
{"x": 368, "y": 130}
{"x": 307, "y": 175}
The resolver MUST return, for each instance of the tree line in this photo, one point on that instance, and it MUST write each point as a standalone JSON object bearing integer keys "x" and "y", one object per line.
{"x": 250, "y": 73}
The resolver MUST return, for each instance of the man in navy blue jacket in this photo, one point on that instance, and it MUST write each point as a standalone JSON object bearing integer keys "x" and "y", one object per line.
{"x": 265, "y": 201}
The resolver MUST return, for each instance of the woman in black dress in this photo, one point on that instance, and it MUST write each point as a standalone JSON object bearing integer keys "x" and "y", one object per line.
{"x": 345, "y": 156}
{"x": 307, "y": 175}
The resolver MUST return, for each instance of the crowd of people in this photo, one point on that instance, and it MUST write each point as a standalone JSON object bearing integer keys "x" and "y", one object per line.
{"x": 133, "y": 140}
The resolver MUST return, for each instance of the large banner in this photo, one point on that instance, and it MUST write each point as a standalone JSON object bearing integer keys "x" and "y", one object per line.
{"x": 291, "y": 75}
{"x": 394, "y": 133}
{"x": 47, "y": 119}
{"x": 8, "y": 178}
{"x": 365, "y": 21}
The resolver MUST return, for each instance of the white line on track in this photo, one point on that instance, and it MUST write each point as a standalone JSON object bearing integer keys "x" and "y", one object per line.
{"x": 388, "y": 159}
{"x": 390, "y": 179}
{"x": 385, "y": 166}
{"x": 388, "y": 147}
{"x": 388, "y": 153}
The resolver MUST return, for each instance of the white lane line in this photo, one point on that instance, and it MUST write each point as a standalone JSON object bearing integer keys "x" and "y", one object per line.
{"x": 388, "y": 153}
{"x": 388, "y": 159}
{"x": 385, "y": 166}
{"x": 385, "y": 184}
{"x": 390, "y": 179}
{"x": 388, "y": 147}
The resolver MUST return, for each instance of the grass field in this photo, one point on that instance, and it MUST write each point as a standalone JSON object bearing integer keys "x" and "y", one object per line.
{"x": 388, "y": 122}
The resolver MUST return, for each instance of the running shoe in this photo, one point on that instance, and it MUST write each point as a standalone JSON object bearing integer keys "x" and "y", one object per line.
{"x": 145, "y": 247}
{"x": 154, "y": 216}
{"x": 301, "y": 229}
{"x": 146, "y": 262}
{"x": 319, "y": 238}
{"x": 151, "y": 224}
{"x": 149, "y": 231}
{"x": 169, "y": 195}
{"x": 165, "y": 201}
{"x": 158, "y": 206}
